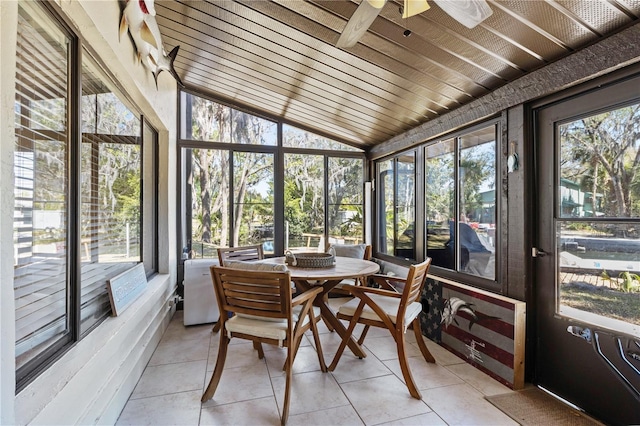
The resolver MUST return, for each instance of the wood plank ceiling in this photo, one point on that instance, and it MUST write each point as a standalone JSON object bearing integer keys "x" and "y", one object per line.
{"x": 279, "y": 57}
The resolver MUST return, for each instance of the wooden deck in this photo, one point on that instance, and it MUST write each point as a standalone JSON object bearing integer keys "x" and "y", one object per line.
{"x": 41, "y": 291}
{"x": 594, "y": 279}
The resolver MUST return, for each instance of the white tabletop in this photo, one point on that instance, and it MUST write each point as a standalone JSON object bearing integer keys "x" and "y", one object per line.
{"x": 345, "y": 267}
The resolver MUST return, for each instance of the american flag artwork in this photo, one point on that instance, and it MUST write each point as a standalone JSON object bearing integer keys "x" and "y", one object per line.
{"x": 432, "y": 309}
{"x": 485, "y": 329}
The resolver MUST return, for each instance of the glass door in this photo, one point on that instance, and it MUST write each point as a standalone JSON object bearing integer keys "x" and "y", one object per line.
{"x": 588, "y": 251}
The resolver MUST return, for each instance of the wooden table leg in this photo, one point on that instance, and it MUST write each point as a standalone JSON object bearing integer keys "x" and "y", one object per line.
{"x": 328, "y": 315}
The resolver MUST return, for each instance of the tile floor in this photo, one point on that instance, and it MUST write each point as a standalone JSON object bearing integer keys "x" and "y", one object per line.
{"x": 367, "y": 391}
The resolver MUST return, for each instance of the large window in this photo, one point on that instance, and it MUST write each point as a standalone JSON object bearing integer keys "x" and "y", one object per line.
{"x": 323, "y": 193}
{"x": 218, "y": 219}
{"x": 41, "y": 166}
{"x": 453, "y": 208}
{"x": 111, "y": 192}
{"x": 298, "y": 138}
{"x": 246, "y": 182}
{"x": 78, "y": 218}
{"x": 304, "y": 201}
{"x": 345, "y": 194}
{"x": 204, "y": 120}
{"x": 598, "y": 212}
{"x": 460, "y": 202}
{"x": 396, "y": 206}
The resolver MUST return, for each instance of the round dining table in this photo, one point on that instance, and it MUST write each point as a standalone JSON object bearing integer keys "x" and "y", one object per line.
{"x": 328, "y": 278}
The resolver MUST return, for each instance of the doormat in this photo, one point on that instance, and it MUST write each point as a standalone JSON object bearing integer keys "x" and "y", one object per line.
{"x": 533, "y": 406}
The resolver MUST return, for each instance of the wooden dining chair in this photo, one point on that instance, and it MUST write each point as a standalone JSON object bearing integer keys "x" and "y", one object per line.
{"x": 266, "y": 267}
{"x": 240, "y": 253}
{"x": 264, "y": 312}
{"x": 386, "y": 307}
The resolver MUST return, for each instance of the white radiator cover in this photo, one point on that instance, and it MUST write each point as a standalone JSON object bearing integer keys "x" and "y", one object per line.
{"x": 200, "y": 305}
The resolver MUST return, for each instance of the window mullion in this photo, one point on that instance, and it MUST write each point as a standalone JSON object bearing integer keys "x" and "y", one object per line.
{"x": 395, "y": 206}
{"x": 456, "y": 205}
{"x": 74, "y": 199}
{"x": 326, "y": 202}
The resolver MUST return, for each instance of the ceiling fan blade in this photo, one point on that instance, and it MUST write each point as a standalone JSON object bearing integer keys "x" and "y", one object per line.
{"x": 468, "y": 12}
{"x": 359, "y": 22}
{"x": 414, "y": 7}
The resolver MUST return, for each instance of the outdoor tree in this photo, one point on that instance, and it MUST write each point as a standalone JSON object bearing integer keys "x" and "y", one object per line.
{"x": 345, "y": 196}
{"x": 601, "y": 151}
{"x": 212, "y": 168}
{"x": 405, "y": 193}
{"x": 477, "y": 171}
{"x": 112, "y": 156}
{"x": 252, "y": 173}
{"x": 304, "y": 193}
{"x": 250, "y": 169}
{"x": 211, "y": 121}
{"x": 440, "y": 187}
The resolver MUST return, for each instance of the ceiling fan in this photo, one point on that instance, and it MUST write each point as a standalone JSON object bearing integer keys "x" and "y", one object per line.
{"x": 468, "y": 12}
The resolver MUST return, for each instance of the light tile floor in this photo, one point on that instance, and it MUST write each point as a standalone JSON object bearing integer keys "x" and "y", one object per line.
{"x": 367, "y": 391}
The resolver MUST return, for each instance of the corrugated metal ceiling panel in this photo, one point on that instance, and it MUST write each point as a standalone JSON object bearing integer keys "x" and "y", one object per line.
{"x": 279, "y": 57}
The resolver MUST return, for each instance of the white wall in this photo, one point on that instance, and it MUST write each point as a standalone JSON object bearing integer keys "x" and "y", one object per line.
{"x": 92, "y": 381}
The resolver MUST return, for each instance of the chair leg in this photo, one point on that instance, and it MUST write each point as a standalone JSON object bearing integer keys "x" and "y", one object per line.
{"x": 316, "y": 339}
{"x": 217, "y": 372}
{"x": 296, "y": 345}
{"x": 420, "y": 339}
{"x": 363, "y": 335}
{"x": 404, "y": 367}
{"x": 287, "y": 388}
{"x": 216, "y": 326}
{"x": 258, "y": 347}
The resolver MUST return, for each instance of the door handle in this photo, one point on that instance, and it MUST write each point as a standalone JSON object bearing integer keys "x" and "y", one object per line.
{"x": 536, "y": 252}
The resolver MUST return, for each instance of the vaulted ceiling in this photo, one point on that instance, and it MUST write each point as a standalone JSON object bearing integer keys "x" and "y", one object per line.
{"x": 279, "y": 57}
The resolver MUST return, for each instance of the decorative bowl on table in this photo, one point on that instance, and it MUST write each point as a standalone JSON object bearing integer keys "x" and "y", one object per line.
{"x": 310, "y": 260}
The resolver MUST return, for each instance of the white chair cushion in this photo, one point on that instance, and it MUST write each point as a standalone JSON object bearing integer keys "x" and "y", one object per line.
{"x": 268, "y": 328}
{"x": 388, "y": 304}
{"x": 265, "y": 327}
{"x": 251, "y": 266}
{"x": 350, "y": 250}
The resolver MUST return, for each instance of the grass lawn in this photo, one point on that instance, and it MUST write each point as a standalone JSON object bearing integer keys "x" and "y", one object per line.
{"x": 603, "y": 301}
